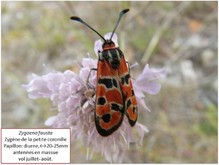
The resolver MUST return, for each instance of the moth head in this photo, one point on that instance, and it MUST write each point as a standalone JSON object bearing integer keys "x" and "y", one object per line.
{"x": 108, "y": 44}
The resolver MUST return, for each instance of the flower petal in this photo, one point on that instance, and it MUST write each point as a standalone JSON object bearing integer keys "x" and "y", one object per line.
{"x": 89, "y": 63}
{"x": 50, "y": 121}
{"x": 149, "y": 87}
{"x": 141, "y": 103}
{"x": 37, "y": 88}
{"x": 145, "y": 83}
{"x": 149, "y": 74}
{"x": 98, "y": 46}
{"x": 141, "y": 129}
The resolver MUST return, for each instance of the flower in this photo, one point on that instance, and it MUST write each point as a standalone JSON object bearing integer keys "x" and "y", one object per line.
{"x": 74, "y": 97}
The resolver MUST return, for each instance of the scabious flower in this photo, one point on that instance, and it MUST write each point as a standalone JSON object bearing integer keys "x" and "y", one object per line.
{"x": 74, "y": 97}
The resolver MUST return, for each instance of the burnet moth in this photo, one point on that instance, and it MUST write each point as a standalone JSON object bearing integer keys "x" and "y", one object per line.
{"x": 114, "y": 92}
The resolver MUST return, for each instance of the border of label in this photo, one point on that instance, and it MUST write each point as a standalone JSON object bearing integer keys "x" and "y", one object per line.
{"x": 36, "y": 162}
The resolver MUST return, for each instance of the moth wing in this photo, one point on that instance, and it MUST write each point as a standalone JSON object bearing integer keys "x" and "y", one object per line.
{"x": 110, "y": 108}
{"x": 130, "y": 102}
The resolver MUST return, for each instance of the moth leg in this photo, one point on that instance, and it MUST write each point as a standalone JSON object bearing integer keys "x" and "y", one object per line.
{"x": 87, "y": 82}
{"x": 92, "y": 69}
{"x": 90, "y": 91}
{"x": 128, "y": 67}
{"x": 87, "y": 90}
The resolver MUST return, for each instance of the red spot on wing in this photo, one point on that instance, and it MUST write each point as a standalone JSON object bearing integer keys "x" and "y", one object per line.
{"x": 102, "y": 109}
{"x": 114, "y": 95}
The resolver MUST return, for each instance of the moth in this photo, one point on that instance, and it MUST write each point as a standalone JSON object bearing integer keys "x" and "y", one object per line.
{"x": 114, "y": 91}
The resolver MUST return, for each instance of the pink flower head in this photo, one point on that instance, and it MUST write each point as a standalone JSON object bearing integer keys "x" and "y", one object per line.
{"x": 74, "y": 97}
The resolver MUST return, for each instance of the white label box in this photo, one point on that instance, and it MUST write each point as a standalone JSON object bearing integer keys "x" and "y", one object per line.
{"x": 27, "y": 146}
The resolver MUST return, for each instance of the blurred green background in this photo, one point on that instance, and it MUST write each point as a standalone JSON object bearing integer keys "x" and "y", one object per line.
{"x": 39, "y": 37}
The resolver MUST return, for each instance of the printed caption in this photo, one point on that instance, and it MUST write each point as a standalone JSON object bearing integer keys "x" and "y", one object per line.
{"x": 35, "y": 146}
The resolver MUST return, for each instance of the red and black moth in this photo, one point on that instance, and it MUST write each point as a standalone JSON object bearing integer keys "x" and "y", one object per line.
{"x": 114, "y": 92}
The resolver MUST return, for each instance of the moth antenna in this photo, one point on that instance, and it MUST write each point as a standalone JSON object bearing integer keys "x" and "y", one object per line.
{"x": 120, "y": 16}
{"x": 75, "y": 18}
